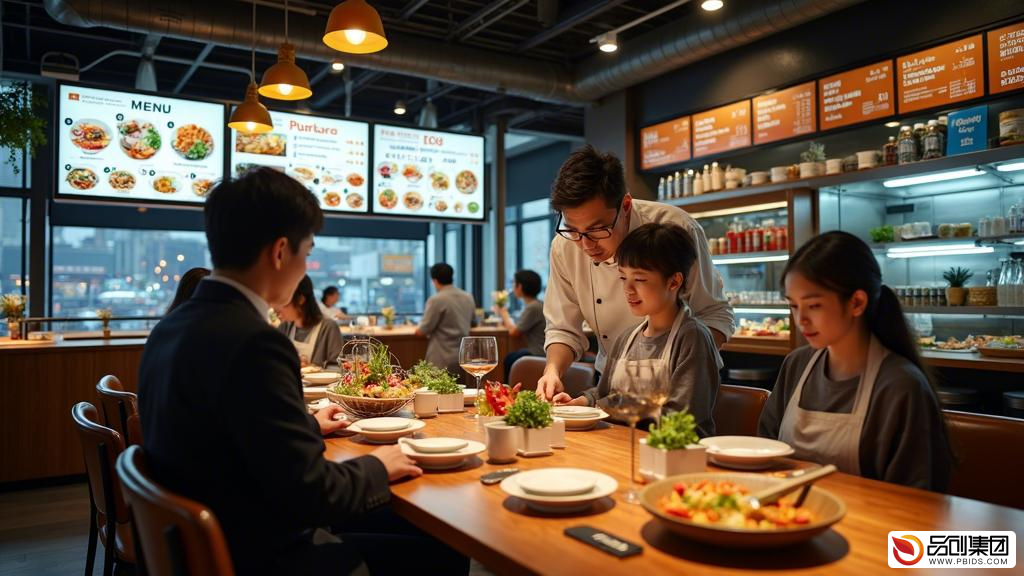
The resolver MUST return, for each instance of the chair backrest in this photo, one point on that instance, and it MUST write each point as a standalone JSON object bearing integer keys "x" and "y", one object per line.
{"x": 990, "y": 454}
{"x": 737, "y": 410}
{"x": 117, "y": 406}
{"x": 178, "y": 536}
{"x": 529, "y": 369}
{"x": 101, "y": 447}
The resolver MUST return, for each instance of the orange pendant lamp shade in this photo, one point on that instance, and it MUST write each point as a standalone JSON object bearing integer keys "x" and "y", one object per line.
{"x": 251, "y": 116}
{"x": 285, "y": 80}
{"x": 355, "y": 27}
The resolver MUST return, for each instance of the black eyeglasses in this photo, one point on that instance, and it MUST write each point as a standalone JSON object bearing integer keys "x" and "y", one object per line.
{"x": 595, "y": 234}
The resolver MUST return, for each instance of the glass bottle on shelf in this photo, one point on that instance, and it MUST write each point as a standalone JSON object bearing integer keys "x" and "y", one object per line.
{"x": 677, "y": 189}
{"x": 1003, "y": 295}
{"x": 933, "y": 146}
{"x": 890, "y": 152}
{"x": 1018, "y": 283}
{"x": 906, "y": 146}
{"x": 688, "y": 183}
{"x": 661, "y": 189}
{"x": 919, "y": 132}
{"x": 1013, "y": 219}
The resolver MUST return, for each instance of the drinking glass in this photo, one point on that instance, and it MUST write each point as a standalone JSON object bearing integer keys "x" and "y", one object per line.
{"x": 478, "y": 355}
{"x": 630, "y": 400}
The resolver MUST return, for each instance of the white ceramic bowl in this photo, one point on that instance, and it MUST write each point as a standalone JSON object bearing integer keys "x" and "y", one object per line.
{"x": 745, "y": 452}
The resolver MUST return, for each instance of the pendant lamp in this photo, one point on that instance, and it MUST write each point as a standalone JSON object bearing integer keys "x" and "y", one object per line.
{"x": 355, "y": 27}
{"x": 250, "y": 116}
{"x": 285, "y": 80}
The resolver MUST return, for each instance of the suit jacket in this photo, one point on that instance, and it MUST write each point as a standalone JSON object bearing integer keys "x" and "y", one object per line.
{"x": 224, "y": 422}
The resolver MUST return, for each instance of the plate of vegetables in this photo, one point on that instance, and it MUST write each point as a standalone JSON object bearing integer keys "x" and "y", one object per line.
{"x": 708, "y": 507}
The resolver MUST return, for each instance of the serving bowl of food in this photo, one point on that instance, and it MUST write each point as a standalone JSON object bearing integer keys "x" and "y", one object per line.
{"x": 708, "y": 507}
{"x": 372, "y": 384}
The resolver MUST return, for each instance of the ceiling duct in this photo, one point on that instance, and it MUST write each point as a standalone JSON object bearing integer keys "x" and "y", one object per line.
{"x": 672, "y": 46}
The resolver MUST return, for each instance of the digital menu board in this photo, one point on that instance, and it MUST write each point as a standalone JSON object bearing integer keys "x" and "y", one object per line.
{"x": 137, "y": 147}
{"x": 1006, "y": 58}
{"x": 941, "y": 75}
{"x": 665, "y": 143}
{"x": 722, "y": 129}
{"x": 784, "y": 114}
{"x": 427, "y": 173}
{"x": 327, "y": 155}
{"x": 856, "y": 95}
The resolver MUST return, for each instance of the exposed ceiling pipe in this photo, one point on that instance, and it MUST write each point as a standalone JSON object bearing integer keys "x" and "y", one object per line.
{"x": 672, "y": 46}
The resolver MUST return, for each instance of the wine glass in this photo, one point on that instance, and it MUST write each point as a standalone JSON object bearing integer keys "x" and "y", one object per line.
{"x": 630, "y": 400}
{"x": 478, "y": 355}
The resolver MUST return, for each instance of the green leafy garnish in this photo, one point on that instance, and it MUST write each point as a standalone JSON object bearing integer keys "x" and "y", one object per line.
{"x": 152, "y": 139}
{"x": 197, "y": 151}
{"x": 678, "y": 430}
{"x": 528, "y": 411}
{"x": 425, "y": 374}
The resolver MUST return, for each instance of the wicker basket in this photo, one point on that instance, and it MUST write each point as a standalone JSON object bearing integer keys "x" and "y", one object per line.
{"x": 981, "y": 296}
{"x": 361, "y": 407}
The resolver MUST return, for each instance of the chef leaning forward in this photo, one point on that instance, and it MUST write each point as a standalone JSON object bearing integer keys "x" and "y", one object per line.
{"x": 595, "y": 213}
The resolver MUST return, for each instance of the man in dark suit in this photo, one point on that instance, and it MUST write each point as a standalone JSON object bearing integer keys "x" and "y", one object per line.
{"x": 221, "y": 398}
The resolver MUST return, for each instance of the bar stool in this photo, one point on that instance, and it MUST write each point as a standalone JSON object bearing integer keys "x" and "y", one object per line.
{"x": 959, "y": 399}
{"x": 120, "y": 409}
{"x": 1013, "y": 403}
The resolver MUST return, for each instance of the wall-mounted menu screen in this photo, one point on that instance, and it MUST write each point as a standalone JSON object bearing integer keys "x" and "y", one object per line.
{"x": 722, "y": 129}
{"x": 327, "y": 155}
{"x": 1006, "y": 58}
{"x": 137, "y": 147}
{"x": 856, "y": 95}
{"x": 941, "y": 75}
{"x": 784, "y": 114}
{"x": 665, "y": 143}
{"x": 427, "y": 173}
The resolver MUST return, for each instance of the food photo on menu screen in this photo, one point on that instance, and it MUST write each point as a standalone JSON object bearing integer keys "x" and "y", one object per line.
{"x": 327, "y": 155}
{"x": 137, "y": 147}
{"x": 427, "y": 173}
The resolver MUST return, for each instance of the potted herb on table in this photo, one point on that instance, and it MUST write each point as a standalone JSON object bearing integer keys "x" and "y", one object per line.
{"x": 956, "y": 277}
{"x": 671, "y": 448}
{"x": 13, "y": 306}
{"x": 533, "y": 415}
{"x": 449, "y": 393}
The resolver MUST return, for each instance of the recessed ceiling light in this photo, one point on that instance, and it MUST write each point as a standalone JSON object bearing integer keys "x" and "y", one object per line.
{"x": 893, "y": 124}
{"x": 712, "y": 5}
{"x": 337, "y": 65}
{"x": 608, "y": 42}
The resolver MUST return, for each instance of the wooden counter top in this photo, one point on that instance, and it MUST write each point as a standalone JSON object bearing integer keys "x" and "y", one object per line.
{"x": 34, "y": 346}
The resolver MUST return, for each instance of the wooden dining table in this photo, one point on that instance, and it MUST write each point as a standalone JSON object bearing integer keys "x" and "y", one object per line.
{"x": 507, "y": 537}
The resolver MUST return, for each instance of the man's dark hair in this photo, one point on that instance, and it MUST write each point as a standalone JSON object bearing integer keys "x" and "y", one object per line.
{"x": 443, "y": 273}
{"x": 662, "y": 248}
{"x": 585, "y": 175}
{"x": 530, "y": 282}
{"x": 329, "y": 291}
{"x": 245, "y": 215}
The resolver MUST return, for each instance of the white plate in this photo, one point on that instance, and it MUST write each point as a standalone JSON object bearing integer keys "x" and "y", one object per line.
{"x": 745, "y": 452}
{"x": 469, "y": 396}
{"x": 436, "y": 445}
{"x": 587, "y": 423}
{"x": 605, "y": 486}
{"x": 321, "y": 378}
{"x": 575, "y": 411}
{"x": 386, "y": 437}
{"x": 442, "y": 461}
{"x": 314, "y": 392}
{"x": 384, "y": 424}
{"x": 557, "y": 482}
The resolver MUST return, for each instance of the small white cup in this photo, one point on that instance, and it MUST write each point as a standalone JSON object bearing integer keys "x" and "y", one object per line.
{"x": 558, "y": 432}
{"x": 424, "y": 403}
{"x": 503, "y": 441}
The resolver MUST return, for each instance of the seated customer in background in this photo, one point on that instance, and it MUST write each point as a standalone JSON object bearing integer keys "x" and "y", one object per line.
{"x": 316, "y": 338}
{"x": 221, "y": 403}
{"x": 447, "y": 318}
{"x": 328, "y": 298}
{"x": 187, "y": 286}
{"x": 531, "y": 324}
{"x": 671, "y": 343}
{"x": 858, "y": 395}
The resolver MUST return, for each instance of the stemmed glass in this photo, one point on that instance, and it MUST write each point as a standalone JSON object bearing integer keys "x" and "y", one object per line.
{"x": 478, "y": 355}
{"x": 630, "y": 400}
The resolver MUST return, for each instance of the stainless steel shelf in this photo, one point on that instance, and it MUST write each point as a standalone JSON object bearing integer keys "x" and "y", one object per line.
{"x": 966, "y": 310}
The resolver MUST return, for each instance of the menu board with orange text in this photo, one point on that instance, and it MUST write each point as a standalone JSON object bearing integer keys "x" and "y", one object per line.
{"x": 784, "y": 114}
{"x": 941, "y": 75}
{"x": 721, "y": 129}
{"x": 1006, "y": 58}
{"x": 855, "y": 96}
{"x": 665, "y": 143}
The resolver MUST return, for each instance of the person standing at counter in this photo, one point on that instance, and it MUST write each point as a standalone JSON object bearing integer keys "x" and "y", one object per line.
{"x": 328, "y": 299}
{"x": 858, "y": 395}
{"x": 447, "y": 318}
{"x": 595, "y": 213}
{"x": 526, "y": 286}
{"x": 316, "y": 337}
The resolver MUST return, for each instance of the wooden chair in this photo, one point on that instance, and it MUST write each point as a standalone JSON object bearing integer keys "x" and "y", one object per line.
{"x": 177, "y": 536}
{"x": 109, "y": 514}
{"x": 990, "y": 457}
{"x": 737, "y": 410}
{"x": 529, "y": 369}
{"x": 120, "y": 409}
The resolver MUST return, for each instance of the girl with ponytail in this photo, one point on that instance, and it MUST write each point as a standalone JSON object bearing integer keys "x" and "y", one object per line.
{"x": 858, "y": 396}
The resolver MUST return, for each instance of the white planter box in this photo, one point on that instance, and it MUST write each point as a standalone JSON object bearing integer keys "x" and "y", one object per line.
{"x": 536, "y": 441}
{"x": 450, "y": 403}
{"x": 658, "y": 463}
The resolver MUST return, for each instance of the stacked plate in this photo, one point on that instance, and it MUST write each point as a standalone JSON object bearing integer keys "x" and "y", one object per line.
{"x": 440, "y": 453}
{"x": 320, "y": 378}
{"x": 745, "y": 452}
{"x": 559, "y": 489}
{"x": 579, "y": 417}
{"x": 385, "y": 430}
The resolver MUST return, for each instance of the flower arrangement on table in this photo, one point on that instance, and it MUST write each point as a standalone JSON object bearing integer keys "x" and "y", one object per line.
{"x": 388, "y": 312}
{"x": 13, "y": 307}
{"x": 496, "y": 399}
{"x": 500, "y": 298}
{"x": 105, "y": 314}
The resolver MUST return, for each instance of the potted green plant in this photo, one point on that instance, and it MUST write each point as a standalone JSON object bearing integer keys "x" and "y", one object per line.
{"x": 22, "y": 123}
{"x": 449, "y": 394}
{"x": 533, "y": 415}
{"x": 956, "y": 277}
{"x": 105, "y": 314}
{"x": 671, "y": 448}
{"x": 13, "y": 307}
{"x": 812, "y": 161}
